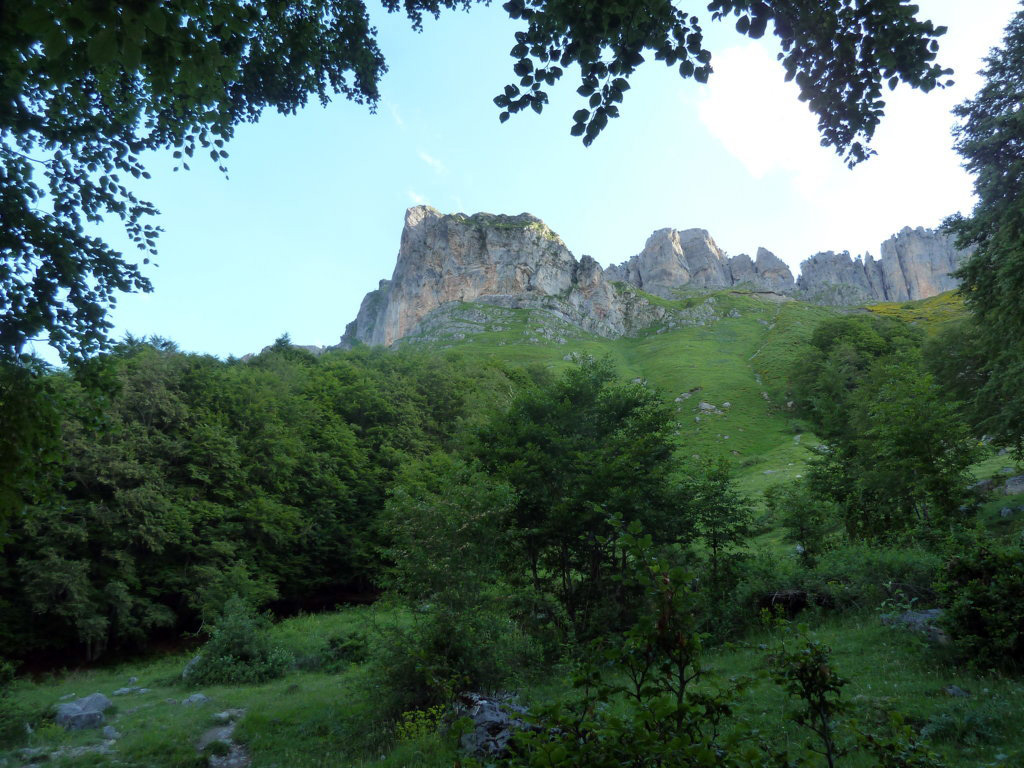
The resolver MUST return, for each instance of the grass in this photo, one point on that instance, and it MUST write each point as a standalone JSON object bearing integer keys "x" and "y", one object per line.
{"x": 313, "y": 719}
{"x": 928, "y": 314}
{"x": 742, "y": 357}
{"x": 888, "y": 669}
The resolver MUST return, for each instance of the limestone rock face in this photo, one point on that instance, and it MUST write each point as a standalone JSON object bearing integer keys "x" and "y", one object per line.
{"x": 835, "y": 278}
{"x": 459, "y": 258}
{"x": 517, "y": 262}
{"x": 772, "y": 273}
{"x": 446, "y": 262}
{"x": 690, "y": 258}
{"x": 915, "y": 264}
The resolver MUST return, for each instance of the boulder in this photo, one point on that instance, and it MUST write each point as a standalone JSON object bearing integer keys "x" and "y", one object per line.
{"x": 186, "y": 673}
{"x": 495, "y": 720}
{"x": 1014, "y": 485}
{"x": 919, "y": 621}
{"x": 83, "y": 713}
{"x": 982, "y": 486}
{"x": 196, "y": 699}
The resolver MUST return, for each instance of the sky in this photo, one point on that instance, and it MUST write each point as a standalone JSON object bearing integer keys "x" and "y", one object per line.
{"x": 309, "y": 217}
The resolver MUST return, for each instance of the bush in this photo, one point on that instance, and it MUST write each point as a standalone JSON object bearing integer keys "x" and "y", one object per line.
{"x": 862, "y": 576}
{"x": 845, "y": 578}
{"x": 981, "y": 588}
{"x": 448, "y": 649}
{"x": 12, "y": 716}
{"x": 343, "y": 650}
{"x": 239, "y": 649}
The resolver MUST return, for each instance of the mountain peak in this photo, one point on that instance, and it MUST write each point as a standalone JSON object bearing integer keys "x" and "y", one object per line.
{"x": 519, "y": 262}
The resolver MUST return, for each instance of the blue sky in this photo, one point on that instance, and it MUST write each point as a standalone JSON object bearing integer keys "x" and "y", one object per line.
{"x": 310, "y": 217}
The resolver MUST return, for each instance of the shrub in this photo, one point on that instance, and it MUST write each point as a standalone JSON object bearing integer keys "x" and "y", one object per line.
{"x": 12, "y": 716}
{"x": 239, "y": 649}
{"x": 845, "y": 578}
{"x": 981, "y": 588}
{"x": 862, "y": 576}
{"x": 448, "y": 649}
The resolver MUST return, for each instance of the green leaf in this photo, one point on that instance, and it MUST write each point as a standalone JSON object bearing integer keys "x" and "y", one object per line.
{"x": 156, "y": 20}
{"x": 102, "y": 48}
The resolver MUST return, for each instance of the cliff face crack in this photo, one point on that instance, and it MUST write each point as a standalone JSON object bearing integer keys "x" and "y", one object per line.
{"x": 518, "y": 262}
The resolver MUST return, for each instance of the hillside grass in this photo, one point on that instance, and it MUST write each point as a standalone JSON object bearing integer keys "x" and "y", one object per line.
{"x": 929, "y": 314}
{"x": 743, "y": 360}
{"x": 312, "y": 719}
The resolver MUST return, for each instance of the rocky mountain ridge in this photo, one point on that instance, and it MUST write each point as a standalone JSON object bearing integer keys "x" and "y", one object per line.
{"x": 518, "y": 262}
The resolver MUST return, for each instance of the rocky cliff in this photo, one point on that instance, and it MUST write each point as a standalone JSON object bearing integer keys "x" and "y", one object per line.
{"x": 517, "y": 262}
{"x": 674, "y": 259}
{"x": 514, "y": 262}
{"x": 915, "y": 264}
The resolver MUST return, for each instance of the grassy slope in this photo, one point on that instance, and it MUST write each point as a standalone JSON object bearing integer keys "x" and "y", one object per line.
{"x": 314, "y": 719}
{"x": 733, "y": 359}
{"x": 929, "y": 314}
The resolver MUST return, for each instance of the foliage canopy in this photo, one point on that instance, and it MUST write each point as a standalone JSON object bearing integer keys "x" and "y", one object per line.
{"x": 991, "y": 140}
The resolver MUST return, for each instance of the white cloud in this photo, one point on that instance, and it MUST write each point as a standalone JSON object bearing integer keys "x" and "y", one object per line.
{"x": 914, "y": 180}
{"x": 417, "y": 199}
{"x": 432, "y": 161}
{"x": 757, "y": 117}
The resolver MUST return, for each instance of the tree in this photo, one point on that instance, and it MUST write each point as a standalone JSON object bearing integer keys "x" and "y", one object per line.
{"x": 896, "y": 450}
{"x": 722, "y": 518}
{"x": 578, "y": 451}
{"x": 87, "y": 89}
{"x": 805, "y": 519}
{"x": 991, "y": 141}
{"x": 840, "y": 52}
{"x": 902, "y": 464}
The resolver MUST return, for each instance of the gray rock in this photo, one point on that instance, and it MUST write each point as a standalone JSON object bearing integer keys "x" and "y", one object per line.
{"x": 227, "y": 716}
{"x": 219, "y": 733}
{"x": 83, "y": 713}
{"x": 919, "y": 621}
{"x": 186, "y": 673}
{"x": 707, "y": 407}
{"x": 132, "y": 680}
{"x": 1006, "y": 512}
{"x": 495, "y": 720}
{"x": 983, "y": 486}
{"x": 1014, "y": 485}
{"x": 110, "y": 732}
{"x": 196, "y": 699}
{"x": 517, "y": 262}
{"x": 956, "y": 691}
{"x": 915, "y": 264}
{"x": 236, "y": 756}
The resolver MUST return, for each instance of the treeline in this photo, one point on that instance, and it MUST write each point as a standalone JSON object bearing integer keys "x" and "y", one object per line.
{"x": 182, "y": 480}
